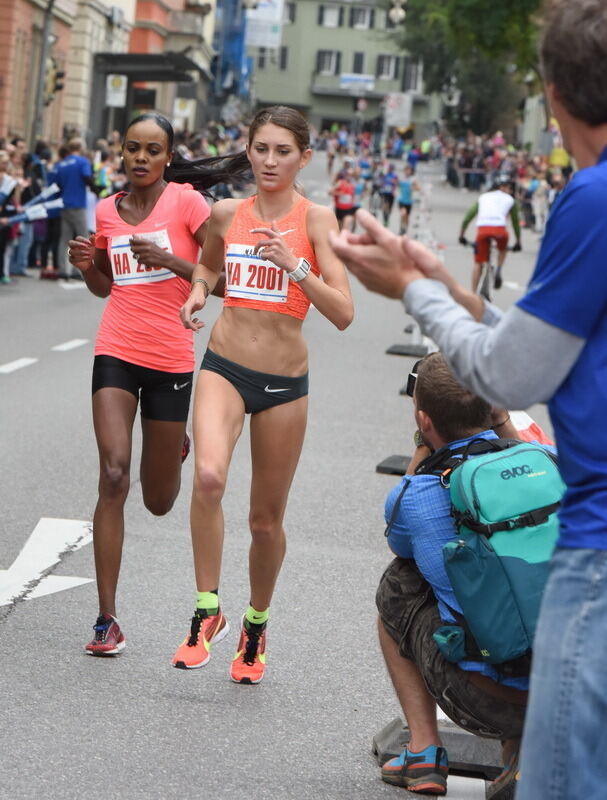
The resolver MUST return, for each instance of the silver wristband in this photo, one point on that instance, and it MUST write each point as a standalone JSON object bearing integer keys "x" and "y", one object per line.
{"x": 301, "y": 270}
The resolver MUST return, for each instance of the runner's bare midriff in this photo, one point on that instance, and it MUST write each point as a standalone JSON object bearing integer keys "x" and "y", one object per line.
{"x": 261, "y": 340}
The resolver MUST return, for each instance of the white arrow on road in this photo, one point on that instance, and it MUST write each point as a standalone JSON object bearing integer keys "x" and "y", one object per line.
{"x": 50, "y": 540}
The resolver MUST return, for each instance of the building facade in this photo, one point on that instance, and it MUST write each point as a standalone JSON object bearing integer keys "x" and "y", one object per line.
{"x": 183, "y": 27}
{"x": 97, "y": 27}
{"x": 21, "y": 23}
{"x": 340, "y": 63}
{"x": 160, "y": 49}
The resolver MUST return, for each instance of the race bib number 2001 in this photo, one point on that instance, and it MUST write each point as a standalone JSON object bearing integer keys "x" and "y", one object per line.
{"x": 125, "y": 267}
{"x": 251, "y": 277}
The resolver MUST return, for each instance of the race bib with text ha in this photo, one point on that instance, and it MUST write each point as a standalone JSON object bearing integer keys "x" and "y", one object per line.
{"x": 125, "y": 267}
{"x": 251, "y": 277}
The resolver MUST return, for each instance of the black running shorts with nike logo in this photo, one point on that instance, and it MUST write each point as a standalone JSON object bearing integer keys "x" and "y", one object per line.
{"x": 259, "y": 390}
{"x": 164, "y": 396}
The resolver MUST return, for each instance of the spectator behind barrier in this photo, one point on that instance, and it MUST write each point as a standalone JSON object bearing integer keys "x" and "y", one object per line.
{"x": 415, "y": 599}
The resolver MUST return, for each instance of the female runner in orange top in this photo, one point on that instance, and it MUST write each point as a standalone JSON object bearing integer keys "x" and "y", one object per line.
{"x": 275, "y": 253}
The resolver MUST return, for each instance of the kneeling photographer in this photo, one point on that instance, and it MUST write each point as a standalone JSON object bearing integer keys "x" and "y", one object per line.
{"x": 472, "y": 525}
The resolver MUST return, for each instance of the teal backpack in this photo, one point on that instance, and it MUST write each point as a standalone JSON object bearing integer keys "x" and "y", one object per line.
{"x": 504, "y": 502}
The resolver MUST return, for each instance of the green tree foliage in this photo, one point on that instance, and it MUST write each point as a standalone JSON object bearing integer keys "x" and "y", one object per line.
{"x": 505, "y": 31}
{"x": 480, "y": 48}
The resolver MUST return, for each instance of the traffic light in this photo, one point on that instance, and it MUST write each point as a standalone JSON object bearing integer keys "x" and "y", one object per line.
{"x": 53, "y": 80}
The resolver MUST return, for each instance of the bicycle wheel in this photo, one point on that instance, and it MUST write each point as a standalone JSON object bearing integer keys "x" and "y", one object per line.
{"x": 485, "y": 284}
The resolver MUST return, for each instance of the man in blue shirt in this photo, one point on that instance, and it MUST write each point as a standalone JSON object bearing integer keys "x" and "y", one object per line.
{"x": 415, "y": 598}
{"x": 551, "y": 347}
{"x": 73, "y": 174}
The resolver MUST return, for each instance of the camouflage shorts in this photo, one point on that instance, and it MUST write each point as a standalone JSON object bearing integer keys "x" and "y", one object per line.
{"x": 409, "y": 612}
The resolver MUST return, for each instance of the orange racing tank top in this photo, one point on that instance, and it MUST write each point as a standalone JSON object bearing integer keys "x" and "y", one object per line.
{"x": 253, "y": 282}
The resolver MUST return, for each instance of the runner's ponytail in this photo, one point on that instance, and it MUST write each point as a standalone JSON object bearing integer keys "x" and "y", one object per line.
{"x": 204, "y": 173}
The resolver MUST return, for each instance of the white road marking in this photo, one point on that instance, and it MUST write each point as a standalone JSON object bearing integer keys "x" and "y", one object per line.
{"x": 71, "y": 345}
{"x": 18, "y": 364}
{"x": 69, "y": 285}
{"x": 48, "y": 542}
{"x": 513, "y": 285}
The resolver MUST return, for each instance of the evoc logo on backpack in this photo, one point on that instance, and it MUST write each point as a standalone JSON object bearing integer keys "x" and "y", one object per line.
{"x": 515, "y": 472}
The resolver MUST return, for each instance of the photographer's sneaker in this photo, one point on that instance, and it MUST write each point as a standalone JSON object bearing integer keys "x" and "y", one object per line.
{"x": 109, "y": 639}
{"x": 206, "y": 629}
{"x": 424, "y": 772}
{"x": 249, "y": 663}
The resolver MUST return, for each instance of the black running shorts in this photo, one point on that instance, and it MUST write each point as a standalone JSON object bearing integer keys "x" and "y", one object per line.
{"x": 164, "y": 396}
{"x": 259, "y": 390}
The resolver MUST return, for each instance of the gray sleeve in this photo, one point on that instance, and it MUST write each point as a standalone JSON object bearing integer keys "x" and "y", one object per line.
{"x": 521, "y": 361}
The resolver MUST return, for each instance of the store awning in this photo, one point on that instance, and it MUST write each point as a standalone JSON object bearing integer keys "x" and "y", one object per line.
{"x": 157, "y": 67}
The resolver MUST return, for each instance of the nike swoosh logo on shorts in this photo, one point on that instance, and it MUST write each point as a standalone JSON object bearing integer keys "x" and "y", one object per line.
{"x": 182, "y": 386}
{"x": 267, "y": 389}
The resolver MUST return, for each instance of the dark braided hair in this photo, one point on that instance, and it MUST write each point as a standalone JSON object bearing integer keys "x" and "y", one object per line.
{"x": 202, "y": 173}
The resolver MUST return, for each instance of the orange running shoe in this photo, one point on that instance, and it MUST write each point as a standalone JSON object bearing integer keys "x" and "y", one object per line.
{"x": 205, "y": 630}
{"x": 249, "y": 663}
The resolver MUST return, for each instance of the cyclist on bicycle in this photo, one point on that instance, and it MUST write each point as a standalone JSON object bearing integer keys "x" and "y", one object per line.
{"x": 493, "y": 208}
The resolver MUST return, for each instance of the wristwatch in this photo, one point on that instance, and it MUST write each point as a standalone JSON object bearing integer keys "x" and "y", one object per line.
{"x": 300, "y": 271}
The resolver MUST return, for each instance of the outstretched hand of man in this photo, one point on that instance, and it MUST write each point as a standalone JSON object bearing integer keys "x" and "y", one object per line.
{"x": 376, "y": 257}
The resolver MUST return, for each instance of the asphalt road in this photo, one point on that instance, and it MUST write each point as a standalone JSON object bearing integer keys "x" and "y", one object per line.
{"x": 134, "y": 727}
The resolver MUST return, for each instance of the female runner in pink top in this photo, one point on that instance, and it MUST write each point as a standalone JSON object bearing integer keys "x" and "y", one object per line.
{"x": 274, "y": 250}
{"x": 143, "y": 256}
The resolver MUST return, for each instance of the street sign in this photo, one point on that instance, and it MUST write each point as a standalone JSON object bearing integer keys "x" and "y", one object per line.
{"x": 184, "y": 109}
{"x": 398, "y": 109}
{"x": 356, "y": 83}
{"x": 264, "y": 24}
{"x": 115, "y": 91}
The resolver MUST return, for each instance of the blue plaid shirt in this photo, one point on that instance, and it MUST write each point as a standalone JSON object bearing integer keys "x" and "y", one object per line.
{"x": 421, "y": 527}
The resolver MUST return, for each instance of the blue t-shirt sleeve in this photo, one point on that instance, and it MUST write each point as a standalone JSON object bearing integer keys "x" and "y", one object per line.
{"x": 568, "y": 288}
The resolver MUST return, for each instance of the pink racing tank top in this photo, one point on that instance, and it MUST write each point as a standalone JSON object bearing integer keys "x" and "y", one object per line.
{"x": 140, "y": 322}
{"x": 253, "y": 282}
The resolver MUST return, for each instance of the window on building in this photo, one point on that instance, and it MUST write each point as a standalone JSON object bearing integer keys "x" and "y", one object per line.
{"x": 261, "y": 58}
{"x": 358, "y": 63}
{"x": 387, "y": 67}
{"x": 284, "y": 57}
{"x": 289, "y": 13}
{"x": 361, "y": 17}
{"x": 328, "y": 62}
{"x": 412, "y": 75}
{"x": 330, "y": 16}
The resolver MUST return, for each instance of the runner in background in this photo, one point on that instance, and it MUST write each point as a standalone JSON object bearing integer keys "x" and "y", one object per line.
{"x": 406, "y": 186}
{"x": 274, "y": 247}
{"x": 389, "y": 183}
{"x": 332, "y": 146}
{"x": 142, "y": 257}
{"x": 343, "y": 192}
